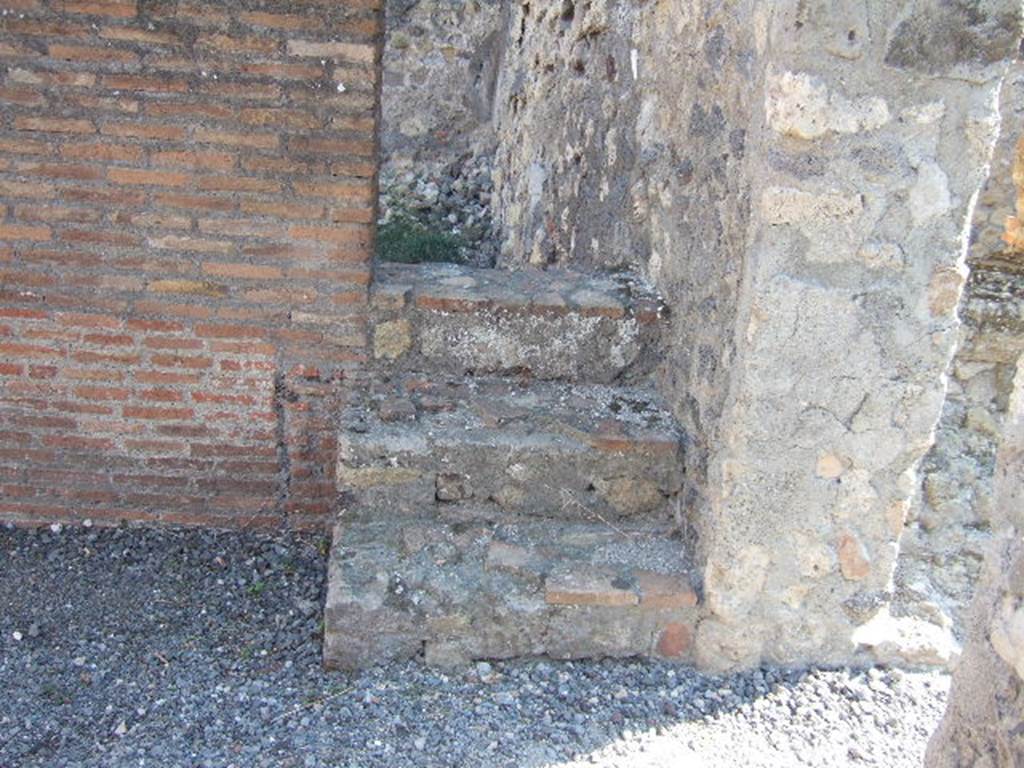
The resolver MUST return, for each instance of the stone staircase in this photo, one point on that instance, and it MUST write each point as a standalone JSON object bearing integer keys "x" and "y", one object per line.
{"x": 510, "y": 482}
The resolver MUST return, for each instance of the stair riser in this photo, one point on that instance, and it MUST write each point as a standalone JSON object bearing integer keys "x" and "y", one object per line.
{"x": 576, "y": 348}
{"x": 560, "y": 633}
{"x": 570, "y": 482}
{"x": 456, "y": 593}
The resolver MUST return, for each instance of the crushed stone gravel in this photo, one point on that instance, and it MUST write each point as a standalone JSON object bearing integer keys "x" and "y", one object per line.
{"x": 162, "y": 647}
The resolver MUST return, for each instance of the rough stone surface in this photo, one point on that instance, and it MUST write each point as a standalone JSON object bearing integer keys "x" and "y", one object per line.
{"x": 949, "y": 522}
{"x": 983, "y": 722}
{"x": 488, "y": 447}
{"x": 510, "y": 515}
{"x": 459, "y": 591}
{"x": 551, "y": 324}
{"x": 798, "y": 185}
{"x": 838, "y": 354}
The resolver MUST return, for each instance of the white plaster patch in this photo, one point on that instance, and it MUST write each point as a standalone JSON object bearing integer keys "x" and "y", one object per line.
{"x": 788, "y": 205}
{"x": 798, "y": 104}
{"x": 906, "y": 639}
{"x": 877, "y": 255}
{"x": 929, "y": 197}
{"x": 536, "y": 176}
{"x": 924, "y": 114}
{"x": 1007, "y": 633}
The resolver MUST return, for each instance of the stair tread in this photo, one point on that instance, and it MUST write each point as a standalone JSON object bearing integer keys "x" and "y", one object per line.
{"x": 500, "y": 411}
{"x": 458, "y": 288}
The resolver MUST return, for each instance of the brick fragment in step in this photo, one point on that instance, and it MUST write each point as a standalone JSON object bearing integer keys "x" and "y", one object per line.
{"x": 493, "y": 590}
{"x": 480, "y": 448}
{"x": 551, "y": 324}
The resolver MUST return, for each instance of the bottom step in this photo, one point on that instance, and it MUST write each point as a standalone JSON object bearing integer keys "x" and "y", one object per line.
{"x": 461, "y": 591}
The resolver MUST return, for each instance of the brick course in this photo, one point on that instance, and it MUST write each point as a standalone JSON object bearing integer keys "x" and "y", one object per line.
{"x": 188, "y": 198}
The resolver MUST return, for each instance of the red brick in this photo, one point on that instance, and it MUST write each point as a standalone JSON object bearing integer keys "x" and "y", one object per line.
{"x": 100, "y": 357}
{"x": 190, "y": 202}
{"x": 213, "y": 397}
{"x": 141, "y": 176}
{"x": 243, "y": 271}
{"x": 102, "y": 393}
{"x": 200, "y": 111}
{"x": 340, "y": 234}
{"x": 26, "y": 189}
{"x": 54, "y": 214}
{"x": 674, "y": 640}
{"x": 161, "y": 377}
{"x": 91, "y": 53}
{"x": 24, "y": 146}
{"x": 172, "y": 342}
{"x": 253, "y": 140}
{"x": 99, "y": 238}
{"x": 144, "y": 131}
{"x": 105, "y": 196}
{"x": 237, "y": 184}
{"x": 280, "y": 71}
{"x": 86, "y": 320}
{"x": 25, "y": 97}
{"x": 359, "y": 192}
{"x": 145, "y": 84}
{"x": 135, "y": 35}
{"x": 77, "y": 441}
{"x": 181, "y": 361}
{"x": 122, "y": 9}
{"x": 212, "y": 161}
{"x": 60, "y": 171}
{"x": 194, "y": 244}
{"x": 295, "y": 119}
{"x": 221, "y": 43}
{"x": 280, "y": 20}
{"x": 244, "y": 91}
{"x": 353, "y": 215}
{"x": 157, "y": 413}
{"x": 116, "y": 103}
{"x": 22, "y": 232}
{"x": 54, "y": 125}
{"x": 229, "y": 331}
{"x": 45, "y": 77}
{"x": 282, "y": 210}
{"x": 161, "y": 395}
{"x": 322, "y": 147}
{"x": 193, "y": 177}
{"x": 108, "y": 339}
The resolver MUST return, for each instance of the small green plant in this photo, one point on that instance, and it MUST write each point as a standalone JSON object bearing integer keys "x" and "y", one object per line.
{"x": 408, "y": 240}
{"x": 257, "y": 587}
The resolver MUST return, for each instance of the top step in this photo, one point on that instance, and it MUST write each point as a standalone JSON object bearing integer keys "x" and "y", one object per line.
{"x": 553, "y": 324}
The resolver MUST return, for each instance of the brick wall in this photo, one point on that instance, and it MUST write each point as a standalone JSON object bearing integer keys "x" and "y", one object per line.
{"x": 188, "y": 193}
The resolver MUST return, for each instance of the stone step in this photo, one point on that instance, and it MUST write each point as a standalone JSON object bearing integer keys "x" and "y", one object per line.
{"x": 456, "y": 592}
{"x": 550, "y": 324}
{"x": 478, "y": 449}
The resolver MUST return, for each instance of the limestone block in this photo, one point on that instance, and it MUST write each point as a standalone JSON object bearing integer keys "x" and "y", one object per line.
{"x": 392, "y": 339}
{"x": 800, "y": 105}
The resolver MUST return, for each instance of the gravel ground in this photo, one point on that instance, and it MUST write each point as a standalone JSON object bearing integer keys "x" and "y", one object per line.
{"x": 130, "y": 647}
